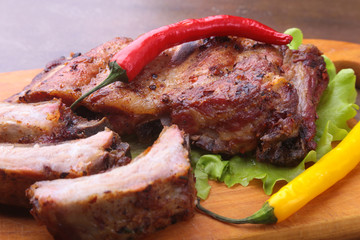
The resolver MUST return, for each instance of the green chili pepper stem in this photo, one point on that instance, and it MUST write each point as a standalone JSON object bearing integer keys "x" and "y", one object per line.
{"x": 116, "y": 74}
{"x": 264, "y": 216}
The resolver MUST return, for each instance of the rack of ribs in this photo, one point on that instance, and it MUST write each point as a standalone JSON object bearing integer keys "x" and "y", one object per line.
{"x": 21, "y": 165}
{"x": 232, "y": 95}
{"x": 155, "y": 190}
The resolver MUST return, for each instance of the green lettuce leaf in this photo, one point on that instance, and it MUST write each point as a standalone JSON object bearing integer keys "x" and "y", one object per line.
{"x": 336, "y": 107}
{"x": 337, "y": 104}
{"x": 208, "y": 166}
{"x": 330, "y": 67}
{"x": 242, "y": 171}
{"x": 297, "y": 38}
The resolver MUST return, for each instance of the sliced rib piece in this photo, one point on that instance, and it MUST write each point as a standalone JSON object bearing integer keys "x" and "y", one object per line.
{"x": 155, "y": 190}
{"x": 231, "y": 95}
{"x": 22, "y": 165}
{"x": 44, "y": 122}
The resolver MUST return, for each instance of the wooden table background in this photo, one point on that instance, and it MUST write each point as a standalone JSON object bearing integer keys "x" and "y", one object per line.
{"x": 35, "y": 32}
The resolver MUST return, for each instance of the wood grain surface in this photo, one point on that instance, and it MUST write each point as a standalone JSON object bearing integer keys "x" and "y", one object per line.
{"x": 334, "y": 214}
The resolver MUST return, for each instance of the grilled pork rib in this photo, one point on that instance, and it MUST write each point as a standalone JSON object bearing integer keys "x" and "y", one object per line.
{"x": 46, "y": 122}
{"x": 155, "y": 190}
{"x": 232, "y": 95}
{"x": 23, "y": 164}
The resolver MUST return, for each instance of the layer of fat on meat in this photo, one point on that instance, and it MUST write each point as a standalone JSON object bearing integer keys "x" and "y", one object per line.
{"x": 41, "y": 115}
{"x": 68, "y": 156}
{"x": 166, "y": 158}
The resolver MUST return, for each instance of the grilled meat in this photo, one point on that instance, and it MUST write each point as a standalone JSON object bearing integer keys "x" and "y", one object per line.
{"x": 232, "y": 95}
{"x": 266, "y": 101}
{"x": 23, "y": 164}
{"x": 306, "y": 71}
{"x": 43, "y": 122}
{"x": 69, "y": 79}
{"x": 155, "y": 190}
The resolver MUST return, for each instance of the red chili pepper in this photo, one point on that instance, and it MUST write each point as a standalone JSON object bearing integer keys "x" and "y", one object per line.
{"x": 127, "y": 63}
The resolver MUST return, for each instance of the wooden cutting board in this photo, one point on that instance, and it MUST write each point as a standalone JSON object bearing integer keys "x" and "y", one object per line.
{"x": 333, "y": 215}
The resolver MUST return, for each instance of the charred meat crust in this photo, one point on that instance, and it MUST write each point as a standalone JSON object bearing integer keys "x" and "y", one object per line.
{"x": 306, "y": 70}
{"x": 155, "y": 190}
{"x": 267, "y": 102}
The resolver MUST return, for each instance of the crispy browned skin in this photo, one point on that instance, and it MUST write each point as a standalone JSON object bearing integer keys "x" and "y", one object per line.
{"x": 21, "y": 165}
{"x": 232, "y": 95}
{"x": 44, "y": 122}
{"x": 155, "y": 190}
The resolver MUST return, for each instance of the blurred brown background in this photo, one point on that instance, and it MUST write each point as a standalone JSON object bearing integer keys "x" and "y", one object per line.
{"x": 35, "y": 32}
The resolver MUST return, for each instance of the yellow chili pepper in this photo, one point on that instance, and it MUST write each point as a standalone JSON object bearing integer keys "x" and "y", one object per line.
{"x": 332, "y": 167}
